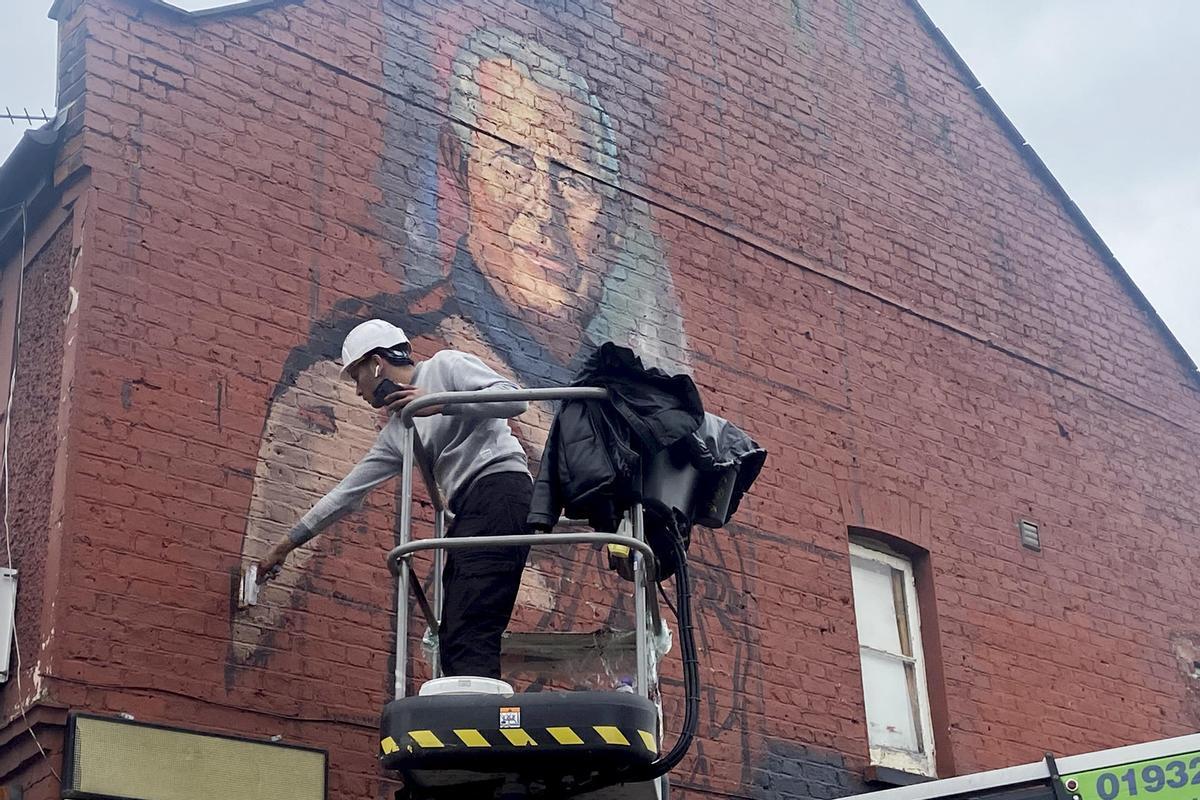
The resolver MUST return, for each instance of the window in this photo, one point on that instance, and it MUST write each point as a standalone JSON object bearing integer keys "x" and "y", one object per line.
{"x": 899, "y": 728}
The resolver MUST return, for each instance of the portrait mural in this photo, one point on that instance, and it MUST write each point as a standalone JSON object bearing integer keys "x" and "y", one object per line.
{"x": 505, "y": 233}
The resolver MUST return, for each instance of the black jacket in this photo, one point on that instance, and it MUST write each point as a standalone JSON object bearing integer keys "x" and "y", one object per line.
{"x": 730, "y": 462}
{"x": 591, "y": 465}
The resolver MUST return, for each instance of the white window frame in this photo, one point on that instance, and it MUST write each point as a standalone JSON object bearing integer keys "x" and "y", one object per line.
{"x": 922, "y": 763}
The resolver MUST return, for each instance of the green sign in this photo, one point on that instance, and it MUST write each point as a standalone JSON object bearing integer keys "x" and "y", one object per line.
{"x": 1170, "y": 778}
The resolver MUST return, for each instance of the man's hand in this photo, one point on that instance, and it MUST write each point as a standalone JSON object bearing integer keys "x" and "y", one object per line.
{"x": 396, "y": 401}
{"x": 272, "y": 562}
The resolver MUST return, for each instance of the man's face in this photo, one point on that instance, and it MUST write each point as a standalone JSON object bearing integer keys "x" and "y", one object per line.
{"x": 535, "y": 227}
{"x": 366, "y": 377}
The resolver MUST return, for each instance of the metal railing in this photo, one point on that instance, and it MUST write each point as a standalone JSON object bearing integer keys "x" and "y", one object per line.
{"x": 645, "y": 600}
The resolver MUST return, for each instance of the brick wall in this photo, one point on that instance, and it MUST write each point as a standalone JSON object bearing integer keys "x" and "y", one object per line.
{"x": 800, "y": 202}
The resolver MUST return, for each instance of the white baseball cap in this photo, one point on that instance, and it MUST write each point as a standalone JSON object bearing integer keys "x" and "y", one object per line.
{"x": 373, "y": 334}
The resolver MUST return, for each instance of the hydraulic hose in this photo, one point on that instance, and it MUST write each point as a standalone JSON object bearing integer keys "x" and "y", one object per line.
{"x": 691, "y": 669}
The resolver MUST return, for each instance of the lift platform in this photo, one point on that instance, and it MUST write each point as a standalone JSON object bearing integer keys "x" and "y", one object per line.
{"x": 596, "y": 745}
{"x": 547, "y": 742}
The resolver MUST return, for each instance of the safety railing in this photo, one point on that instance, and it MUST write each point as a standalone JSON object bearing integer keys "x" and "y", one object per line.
{"x": 645, "y": 601}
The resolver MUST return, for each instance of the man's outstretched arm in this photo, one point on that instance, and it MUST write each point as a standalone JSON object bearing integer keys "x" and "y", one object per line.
{"x": 377, "y": 466}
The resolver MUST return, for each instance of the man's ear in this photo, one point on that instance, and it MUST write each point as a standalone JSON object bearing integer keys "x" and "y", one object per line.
{"x": 453, "y": 156}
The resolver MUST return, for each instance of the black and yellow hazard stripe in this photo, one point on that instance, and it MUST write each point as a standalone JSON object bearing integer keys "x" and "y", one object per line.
{"x": 499, "y": 738}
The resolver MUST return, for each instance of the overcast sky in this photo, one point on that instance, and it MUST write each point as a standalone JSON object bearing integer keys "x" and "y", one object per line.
{"x": 1104, "y": 90}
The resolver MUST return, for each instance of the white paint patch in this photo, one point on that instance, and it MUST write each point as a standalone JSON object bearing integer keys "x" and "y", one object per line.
{"x": 535, "y": 591}
{"x": 1187, "y": 650}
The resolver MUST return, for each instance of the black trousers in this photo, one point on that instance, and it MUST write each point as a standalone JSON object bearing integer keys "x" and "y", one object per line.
{"x": 481, "y": 584}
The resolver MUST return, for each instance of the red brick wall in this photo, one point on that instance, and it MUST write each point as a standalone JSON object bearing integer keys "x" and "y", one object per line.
{"x": 803, "y": 200}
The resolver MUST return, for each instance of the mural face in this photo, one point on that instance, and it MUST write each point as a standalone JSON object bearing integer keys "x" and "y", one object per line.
{"x": 534, "y": 212}
{"x": 508, "y": 236}
{"x": 520, "y": 151}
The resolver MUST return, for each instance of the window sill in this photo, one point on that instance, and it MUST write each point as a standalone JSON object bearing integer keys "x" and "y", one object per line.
{"x": 883, "y": 777}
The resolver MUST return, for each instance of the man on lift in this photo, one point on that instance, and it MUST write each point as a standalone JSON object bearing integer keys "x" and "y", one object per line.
{"x": 479, "y": 466}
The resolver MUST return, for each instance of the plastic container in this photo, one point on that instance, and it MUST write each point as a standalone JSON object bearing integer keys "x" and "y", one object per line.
{"x": 714, "y": 496}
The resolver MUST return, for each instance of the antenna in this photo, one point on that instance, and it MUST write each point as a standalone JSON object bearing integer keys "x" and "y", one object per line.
{"x": 14, "y": 117}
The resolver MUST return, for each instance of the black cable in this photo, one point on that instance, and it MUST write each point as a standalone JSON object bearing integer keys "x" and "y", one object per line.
{"x": 691, "y": 669}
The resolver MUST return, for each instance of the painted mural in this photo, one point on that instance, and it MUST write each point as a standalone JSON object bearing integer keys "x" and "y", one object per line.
{"x": 508, "y": 235}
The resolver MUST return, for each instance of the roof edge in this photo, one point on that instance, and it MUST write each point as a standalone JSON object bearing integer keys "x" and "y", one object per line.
{"x": 32, "y": 159}
{"x": 1042, "y": 171}
{"x": 243, "y": 7}
{"x": 27, "y": 179}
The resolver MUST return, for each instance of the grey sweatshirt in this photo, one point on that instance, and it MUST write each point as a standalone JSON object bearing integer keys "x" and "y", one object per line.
{"x": 463, "y": 443}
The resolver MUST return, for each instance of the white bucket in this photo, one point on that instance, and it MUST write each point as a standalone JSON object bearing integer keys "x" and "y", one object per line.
{"x": 464, "y": 684}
